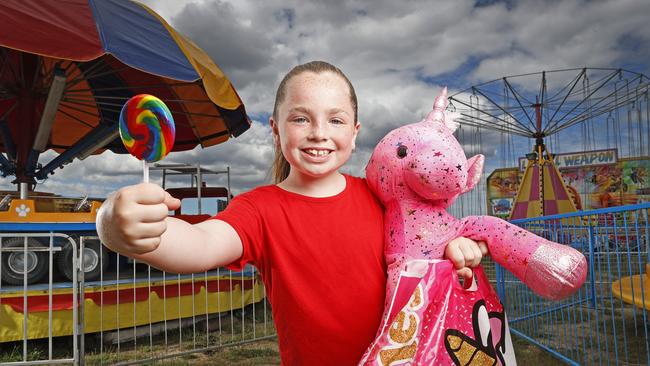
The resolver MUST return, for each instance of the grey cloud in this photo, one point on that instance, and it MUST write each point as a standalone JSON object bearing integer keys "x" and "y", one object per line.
{"x": 387, "y": 48}
{"x": 570, "y": 34}
{"x": 231, "y": 42}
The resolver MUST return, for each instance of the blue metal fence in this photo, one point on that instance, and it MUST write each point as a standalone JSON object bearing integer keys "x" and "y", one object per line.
{"x": 607, "y": 321}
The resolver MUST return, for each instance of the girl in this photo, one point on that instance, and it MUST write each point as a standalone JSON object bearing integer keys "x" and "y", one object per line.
{"x": 316, "y": 236}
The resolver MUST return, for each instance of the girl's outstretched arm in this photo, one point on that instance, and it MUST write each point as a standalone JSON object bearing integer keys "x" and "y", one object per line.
{"x": 133, "y": 221}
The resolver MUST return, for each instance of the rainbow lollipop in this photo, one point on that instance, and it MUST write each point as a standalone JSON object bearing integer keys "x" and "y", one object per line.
{"x": 147, "y": 129}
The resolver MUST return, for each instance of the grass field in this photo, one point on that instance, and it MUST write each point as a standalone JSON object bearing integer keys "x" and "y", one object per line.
{"x": 265, "y": 352}
{"x": 258, "y": 353}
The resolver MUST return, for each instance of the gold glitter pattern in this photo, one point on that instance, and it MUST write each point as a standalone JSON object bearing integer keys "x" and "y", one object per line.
{"x": 416, "y": 298}
{"x": 468, "y": 355}
{"x": 388, "y": 356}
{"x": 397, "y": 331}
{"x": 403, "y": 340}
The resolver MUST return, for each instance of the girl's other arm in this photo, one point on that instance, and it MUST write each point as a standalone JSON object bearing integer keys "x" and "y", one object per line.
{"x": 133, "y": 221}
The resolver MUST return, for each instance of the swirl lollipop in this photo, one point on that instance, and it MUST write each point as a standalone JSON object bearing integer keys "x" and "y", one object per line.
{"x": 147, "y": 129}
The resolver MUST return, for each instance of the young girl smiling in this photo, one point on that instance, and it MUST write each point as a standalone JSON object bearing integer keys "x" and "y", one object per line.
{"x": 316, "y": 236}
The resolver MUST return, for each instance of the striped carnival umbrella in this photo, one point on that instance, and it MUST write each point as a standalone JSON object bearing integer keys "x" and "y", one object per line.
{"x": 67, "y": 67}
{"x": 542, "y": 191}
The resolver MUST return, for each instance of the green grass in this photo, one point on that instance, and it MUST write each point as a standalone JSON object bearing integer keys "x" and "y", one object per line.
{"x": 592, "y": 335}
{"x": 220, "y": 338}
{"x": 529, "y": 354}
{"x": 13, "y": 352}
{"x": 263, "y": 352}
{"x": 561, "y": 330}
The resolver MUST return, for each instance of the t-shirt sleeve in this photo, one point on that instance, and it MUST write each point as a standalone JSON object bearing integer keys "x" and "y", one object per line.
{"x": 245, "y": 218}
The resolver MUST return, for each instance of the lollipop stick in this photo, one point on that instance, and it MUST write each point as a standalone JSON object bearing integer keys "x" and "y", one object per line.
{"x": 145, "y": 171}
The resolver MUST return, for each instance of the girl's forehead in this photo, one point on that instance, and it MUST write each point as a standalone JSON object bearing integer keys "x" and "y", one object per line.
{"x": 324, "y": 86}
{"x": 325, "y": 79}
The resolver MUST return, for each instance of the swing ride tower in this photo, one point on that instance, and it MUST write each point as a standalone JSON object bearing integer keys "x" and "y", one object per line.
{"x": 542, "y": 191}
{"x": 570, "y": 118}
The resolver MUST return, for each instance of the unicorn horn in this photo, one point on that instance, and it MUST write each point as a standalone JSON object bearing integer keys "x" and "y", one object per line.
{"x": 441, "y": 101}
{"x": 439, "y": 106}
{"x": 438, "y": 112}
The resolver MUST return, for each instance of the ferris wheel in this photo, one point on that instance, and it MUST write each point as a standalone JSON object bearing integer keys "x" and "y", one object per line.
{"x": 578, "y": 109}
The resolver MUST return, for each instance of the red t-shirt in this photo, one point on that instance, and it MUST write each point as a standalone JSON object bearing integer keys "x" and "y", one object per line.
{"x": 323, "y": 266}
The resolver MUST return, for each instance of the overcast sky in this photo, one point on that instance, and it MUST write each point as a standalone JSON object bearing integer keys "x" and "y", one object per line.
{"x": 398, "y": 54}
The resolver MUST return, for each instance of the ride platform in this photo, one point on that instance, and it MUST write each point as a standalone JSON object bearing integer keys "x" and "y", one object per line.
{"x": 26, "y": 210}
{"x": 123, "y": 303}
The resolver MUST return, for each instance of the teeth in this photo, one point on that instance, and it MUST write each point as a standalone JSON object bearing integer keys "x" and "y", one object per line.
{"x": 317, "y": 152}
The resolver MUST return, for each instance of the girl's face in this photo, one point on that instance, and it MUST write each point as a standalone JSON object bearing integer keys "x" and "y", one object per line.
{"x": 316, "y": 125}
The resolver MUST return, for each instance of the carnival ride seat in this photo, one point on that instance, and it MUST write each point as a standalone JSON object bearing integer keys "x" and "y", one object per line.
{"x": 635, "y": 289}
{"x": 192, "y": 192}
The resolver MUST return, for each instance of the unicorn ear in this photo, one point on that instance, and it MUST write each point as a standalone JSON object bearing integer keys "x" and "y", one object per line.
{"x": 474, "y": 169}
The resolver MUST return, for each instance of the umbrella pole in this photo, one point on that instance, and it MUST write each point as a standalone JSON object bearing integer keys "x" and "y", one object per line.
{"x": 24, "y": 189}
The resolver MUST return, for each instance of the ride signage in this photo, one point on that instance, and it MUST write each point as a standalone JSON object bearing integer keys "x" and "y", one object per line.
{"x": 580, "y": 159}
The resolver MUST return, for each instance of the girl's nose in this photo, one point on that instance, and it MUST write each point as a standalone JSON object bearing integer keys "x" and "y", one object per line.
{"x": 318, "y": 130}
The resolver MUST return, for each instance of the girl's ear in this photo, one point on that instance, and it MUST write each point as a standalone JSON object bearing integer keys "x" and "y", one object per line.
{"x": 275, "y": 131}
{"x": 357, "y": 126}
{"x": 274, "y": 125}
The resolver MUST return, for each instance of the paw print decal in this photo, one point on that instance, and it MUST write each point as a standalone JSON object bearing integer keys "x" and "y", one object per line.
{"x": 22, "y": 210}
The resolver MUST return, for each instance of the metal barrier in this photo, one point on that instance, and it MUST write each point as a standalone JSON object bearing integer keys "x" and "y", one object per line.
{"x": 131, "y": 314}
{"x": 606, "y": 322}
{"x": 17, "y": 321}
{"x": 146, "y": 315}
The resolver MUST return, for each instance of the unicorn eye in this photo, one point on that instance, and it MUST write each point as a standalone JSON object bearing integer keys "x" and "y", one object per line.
{"x": 402, "y": 151}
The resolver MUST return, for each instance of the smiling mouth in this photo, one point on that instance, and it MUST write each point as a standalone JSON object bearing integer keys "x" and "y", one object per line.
{"x": 317, "y": 152}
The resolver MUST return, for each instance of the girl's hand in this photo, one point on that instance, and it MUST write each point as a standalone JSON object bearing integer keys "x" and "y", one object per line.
{"x": 465, "y": 254}
{"x": 132, "y": 220}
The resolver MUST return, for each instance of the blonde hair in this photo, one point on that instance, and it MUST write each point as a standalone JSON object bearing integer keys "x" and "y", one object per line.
{"x": 280, "y": 169}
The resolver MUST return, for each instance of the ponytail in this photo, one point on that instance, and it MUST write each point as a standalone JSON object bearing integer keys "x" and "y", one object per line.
{"x": 281, "y": 167}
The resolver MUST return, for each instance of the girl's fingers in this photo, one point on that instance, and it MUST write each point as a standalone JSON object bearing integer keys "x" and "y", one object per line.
{"x": 455, "y": 255}
{"x": 465, "y": 252}
{"x": 151, "y": 230}
{"x": 152, "y": 213}
{"x": 148, "y": 194}
{"x": 469, "y": 255}
{"x": 465, "y": 273}
{"x": 171, "y": 202}
{"x": 146, "y": 245}
{"x": 144, "y": 230}
{"x": 483, "y": 247}
{"x": 477, "y": 255}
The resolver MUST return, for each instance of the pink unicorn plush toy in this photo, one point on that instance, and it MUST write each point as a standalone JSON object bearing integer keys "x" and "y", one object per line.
{"x": 417, "y": 171}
